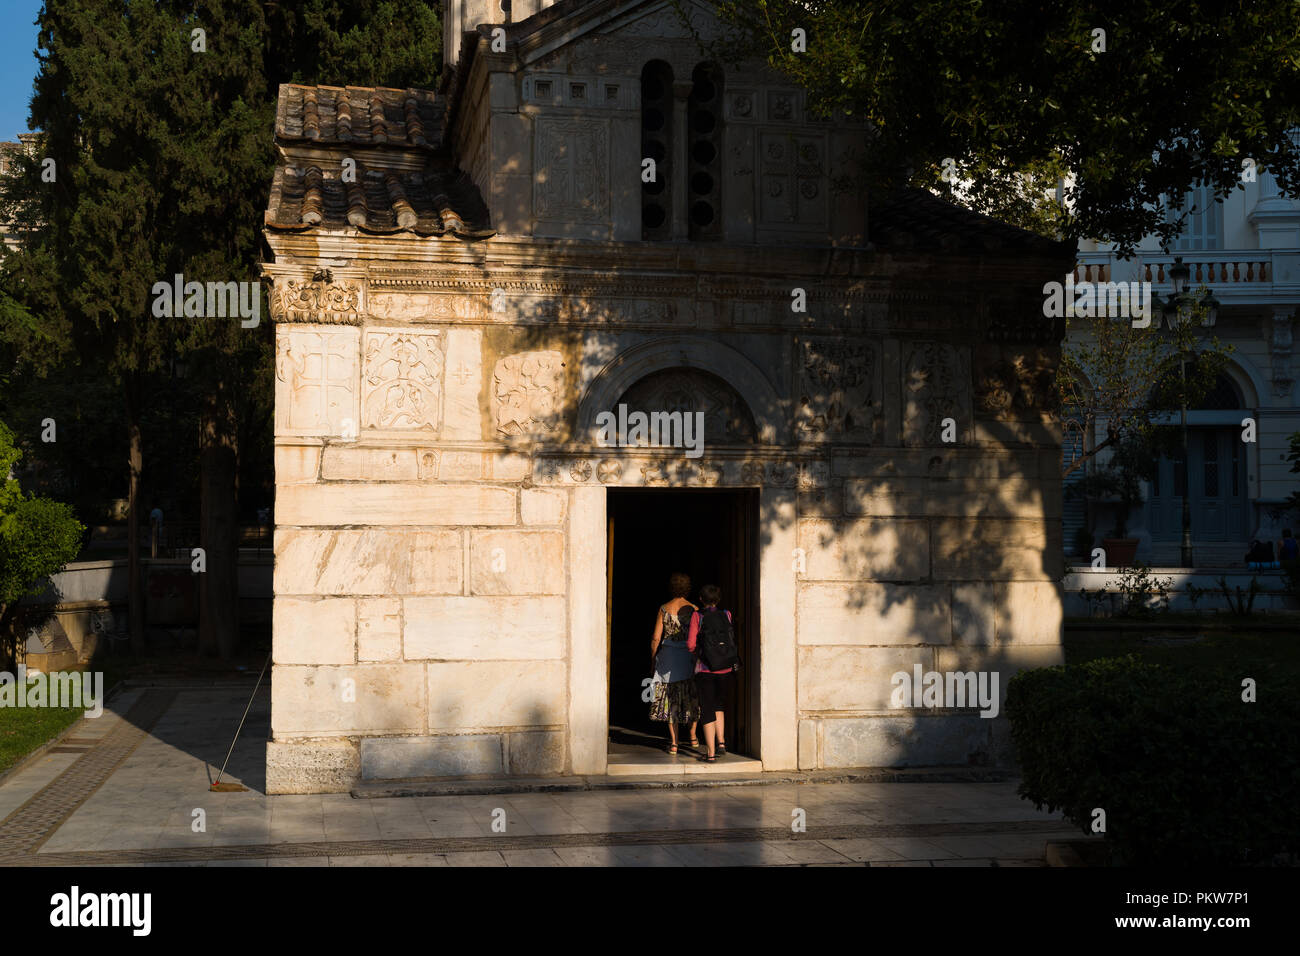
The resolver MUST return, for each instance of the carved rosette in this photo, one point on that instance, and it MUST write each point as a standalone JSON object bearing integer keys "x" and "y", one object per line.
{"x": 610, "y": 470}
{"x": 580, "y": 471}
{"x": 813, "y": 474}
{"x": 320, "y": 301}
{"x": 781, "y": 474}
{"x": 751, "y": 473}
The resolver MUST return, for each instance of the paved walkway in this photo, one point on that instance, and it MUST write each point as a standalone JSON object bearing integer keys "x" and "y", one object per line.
{"x": 131, "y": 788}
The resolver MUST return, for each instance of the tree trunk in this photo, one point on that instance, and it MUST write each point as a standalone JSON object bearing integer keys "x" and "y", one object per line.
{"x": 135, "y": 464}
{"x": 219, "y": 533}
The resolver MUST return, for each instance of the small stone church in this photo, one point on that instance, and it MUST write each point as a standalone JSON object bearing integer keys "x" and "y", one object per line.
{"x": 466, "y": 283}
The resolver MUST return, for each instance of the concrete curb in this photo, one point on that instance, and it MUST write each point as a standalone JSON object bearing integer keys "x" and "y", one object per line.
{"x": 432, "y": 787}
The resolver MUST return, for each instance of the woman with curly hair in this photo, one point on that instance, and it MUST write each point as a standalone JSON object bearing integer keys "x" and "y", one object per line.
{"x": 675, "y": 699}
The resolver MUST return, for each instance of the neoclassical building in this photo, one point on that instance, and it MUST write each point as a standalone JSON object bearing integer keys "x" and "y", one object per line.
{"x": 1246, "y": 250}
{"x": 467, "y": 570}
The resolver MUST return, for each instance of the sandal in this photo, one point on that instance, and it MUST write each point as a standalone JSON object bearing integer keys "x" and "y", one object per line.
{"x": 722, "y": 748}
{"x": 708, "y": 758}
{"x": 695, "y": 744}
{"x": 672, "y": 748}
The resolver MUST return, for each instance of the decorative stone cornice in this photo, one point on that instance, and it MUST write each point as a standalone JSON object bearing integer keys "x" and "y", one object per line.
{"x": 318, "y": 300}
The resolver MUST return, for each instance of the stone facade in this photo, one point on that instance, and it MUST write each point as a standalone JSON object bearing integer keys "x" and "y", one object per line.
{"x": 440, "y": 578}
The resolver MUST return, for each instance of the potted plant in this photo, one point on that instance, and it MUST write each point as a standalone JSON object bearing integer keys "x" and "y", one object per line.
{"x": 1118, "y": 483}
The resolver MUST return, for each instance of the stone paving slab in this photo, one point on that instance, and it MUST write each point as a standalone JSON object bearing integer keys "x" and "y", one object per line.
{"x": 130, "y": 798}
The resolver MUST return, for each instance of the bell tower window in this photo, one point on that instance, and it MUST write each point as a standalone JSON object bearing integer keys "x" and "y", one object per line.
{"x": 704, "y": 139}
{"x": 656, "y": 145}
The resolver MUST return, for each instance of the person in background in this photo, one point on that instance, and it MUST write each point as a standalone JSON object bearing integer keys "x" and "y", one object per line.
{"x": 1287, "y": 548}
{"x": 1260, "y": 556}
{"x": 712, "y": 639}
{"x": 675, "y": 699}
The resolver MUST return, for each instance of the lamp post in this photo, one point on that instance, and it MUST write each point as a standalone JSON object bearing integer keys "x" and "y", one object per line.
{"x": 1179, "y": 311}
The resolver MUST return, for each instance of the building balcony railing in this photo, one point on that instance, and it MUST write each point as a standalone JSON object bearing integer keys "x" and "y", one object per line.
{"x": 1236, "y": 275}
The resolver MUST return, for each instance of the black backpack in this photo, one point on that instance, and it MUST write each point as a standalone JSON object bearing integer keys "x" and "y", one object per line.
{"x": 716, "y": 641}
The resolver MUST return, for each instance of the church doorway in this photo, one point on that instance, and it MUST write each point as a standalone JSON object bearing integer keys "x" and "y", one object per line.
{"x": 709, "y": 534}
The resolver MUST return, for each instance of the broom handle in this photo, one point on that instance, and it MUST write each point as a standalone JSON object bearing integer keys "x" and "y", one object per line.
{"x": 245, "y": 717}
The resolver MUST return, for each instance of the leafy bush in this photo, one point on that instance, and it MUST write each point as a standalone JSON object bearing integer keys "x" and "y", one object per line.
{"x": 1144, "y": 594}
{"x": 1240, "y": 602}
{"x": 1186, "y": 771}
{"x": 37, "y": 537}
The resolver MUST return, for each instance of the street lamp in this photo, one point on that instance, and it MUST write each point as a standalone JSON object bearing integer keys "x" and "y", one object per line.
{"x": 1179, "y": 311}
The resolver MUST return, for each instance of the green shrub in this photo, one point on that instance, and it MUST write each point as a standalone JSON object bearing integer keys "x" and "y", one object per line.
{"x": 1187, "y": 773}
{"x": 37, "y": 537}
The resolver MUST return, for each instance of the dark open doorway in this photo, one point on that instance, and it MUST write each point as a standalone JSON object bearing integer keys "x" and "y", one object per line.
{"x": 712, "y": 535}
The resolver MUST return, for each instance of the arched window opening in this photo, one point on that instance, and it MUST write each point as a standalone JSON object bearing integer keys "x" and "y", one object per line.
{"x": 704, "y": 129}
{"x": 656, "y": 145}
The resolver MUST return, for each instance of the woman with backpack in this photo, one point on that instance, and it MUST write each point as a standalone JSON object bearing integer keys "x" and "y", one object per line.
{"x": 712, "y": 638}
{"x": 674, "y": 699}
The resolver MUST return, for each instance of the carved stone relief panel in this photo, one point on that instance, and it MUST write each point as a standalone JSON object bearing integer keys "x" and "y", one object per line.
{"x": 1012, "y": 382}
{"x": 319, "y": 300}
{"x": 316, "y": 379}
{"x": 428, "y": 464}
{"x": 572, "y": 163}
{"x": 634, "y": 469}
{"x": 527, "y": 393}
{"x": 727, "y": 418}
{"x": 402, "y": 379}
{"x": 935, "y": 387}
{"x": 839, "y": 393}
{"x": 425, "y": 306}
{"x": 792, "y": 184}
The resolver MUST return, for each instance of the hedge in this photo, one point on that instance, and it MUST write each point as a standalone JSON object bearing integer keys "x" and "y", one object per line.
{"x": 1186, "y": 771}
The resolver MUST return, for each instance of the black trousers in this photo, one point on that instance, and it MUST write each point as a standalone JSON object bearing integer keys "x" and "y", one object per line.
{"x": 715, "y": 694}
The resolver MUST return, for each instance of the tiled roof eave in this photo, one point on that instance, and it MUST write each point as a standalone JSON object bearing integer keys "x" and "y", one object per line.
{"x": 469, "y": 235}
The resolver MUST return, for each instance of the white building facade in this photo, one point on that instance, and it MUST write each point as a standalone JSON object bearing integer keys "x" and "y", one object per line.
{"x": 1246, "y": 250}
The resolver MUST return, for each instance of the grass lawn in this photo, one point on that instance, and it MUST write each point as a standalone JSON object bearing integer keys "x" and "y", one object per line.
{"x": 23, "y": 729}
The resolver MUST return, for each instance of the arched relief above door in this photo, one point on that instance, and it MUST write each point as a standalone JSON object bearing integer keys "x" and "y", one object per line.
{"x": 726, "y": 416}
{"x": 684, "y": 353}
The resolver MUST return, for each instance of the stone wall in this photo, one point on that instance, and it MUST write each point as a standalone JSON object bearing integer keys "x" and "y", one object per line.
{"x": 440, "y": 514}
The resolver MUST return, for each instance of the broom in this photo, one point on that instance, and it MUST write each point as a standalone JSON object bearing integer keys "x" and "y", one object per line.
{"x": 218, "y": 786}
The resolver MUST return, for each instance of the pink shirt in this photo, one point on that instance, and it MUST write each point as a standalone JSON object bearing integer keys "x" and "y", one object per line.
{"x": 691, "y": 642}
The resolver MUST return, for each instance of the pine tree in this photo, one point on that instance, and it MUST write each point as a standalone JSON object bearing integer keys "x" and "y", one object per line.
{"x": 158, "y": 118}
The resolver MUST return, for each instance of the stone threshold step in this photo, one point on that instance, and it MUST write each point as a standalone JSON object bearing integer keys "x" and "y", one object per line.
{"x": 460, "y": 786}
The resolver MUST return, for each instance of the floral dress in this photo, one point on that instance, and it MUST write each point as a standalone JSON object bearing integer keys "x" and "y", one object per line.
{"x": 675, "y": 697}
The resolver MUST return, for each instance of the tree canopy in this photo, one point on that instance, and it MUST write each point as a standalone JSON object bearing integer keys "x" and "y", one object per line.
{"x": 991, "y": 103}
{"x": 155, "y": 158}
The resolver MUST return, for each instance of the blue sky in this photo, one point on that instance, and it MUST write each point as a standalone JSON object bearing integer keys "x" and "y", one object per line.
{"x": 17, "y": 63}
